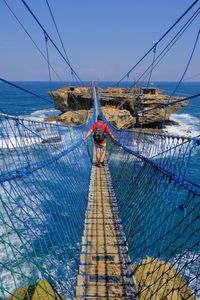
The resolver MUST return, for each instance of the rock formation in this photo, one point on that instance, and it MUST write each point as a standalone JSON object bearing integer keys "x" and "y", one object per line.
{"x": 155, "y": 279}
{"x": 122, "y": 107}
{"x": 42, "y": 290}
{"x": 121, "y": 119}
{"x": 71, "y": 117}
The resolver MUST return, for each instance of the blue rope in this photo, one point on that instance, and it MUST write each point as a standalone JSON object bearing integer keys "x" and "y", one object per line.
{"x": 54, "y": 21}
{"x": 51, "y": 40}
{"x": 25, "y": 90}
{"x": 183, "y": 75}
{"x": 29, "y": 35}
{"x": 152, "y": 66}
{"x": 167, "y": 48}
{"x": 48, "y": 64}
{"x": 162, "y": 37}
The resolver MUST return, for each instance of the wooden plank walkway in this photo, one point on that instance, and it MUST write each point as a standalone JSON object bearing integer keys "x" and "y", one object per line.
{"x": 104, "y": 271}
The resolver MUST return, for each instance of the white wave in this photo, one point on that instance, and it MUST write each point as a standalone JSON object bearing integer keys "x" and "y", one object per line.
{"x": 17, "y": 142}
{"x": 189, "y": 125}
{"x": 14, "y": 137}
{"x": 40, "y": 115}
{"x": 189, "y": 264}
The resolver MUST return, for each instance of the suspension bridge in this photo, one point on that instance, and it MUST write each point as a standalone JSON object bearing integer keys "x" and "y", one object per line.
{"x": 104, "y": 260}
{"x": 71, "y": 230}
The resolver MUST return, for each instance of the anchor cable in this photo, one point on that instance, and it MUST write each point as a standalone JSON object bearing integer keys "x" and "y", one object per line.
{"x": 162, "y": 37}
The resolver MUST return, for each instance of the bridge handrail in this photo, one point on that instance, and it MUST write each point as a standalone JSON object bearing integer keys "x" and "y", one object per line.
{"x": 181, "y": 181}
{"x": 20, "y": 118}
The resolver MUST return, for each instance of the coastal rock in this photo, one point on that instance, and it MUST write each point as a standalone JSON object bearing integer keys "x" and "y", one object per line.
{"x": 71, "y": 117}
{"x": 155, "y": 279}
{"x": 131, "y": 103}
{"x": 70, "y": 98}
{"x": 121, "y": 119}
{"x": 42, "y": 290}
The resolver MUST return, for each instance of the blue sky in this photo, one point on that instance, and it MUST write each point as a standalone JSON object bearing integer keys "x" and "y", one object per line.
{"x": 103, "y": 39}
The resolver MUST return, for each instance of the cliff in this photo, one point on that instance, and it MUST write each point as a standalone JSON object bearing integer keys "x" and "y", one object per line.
{"x": 120, "y": 105}
{"x": 155, "y": 279}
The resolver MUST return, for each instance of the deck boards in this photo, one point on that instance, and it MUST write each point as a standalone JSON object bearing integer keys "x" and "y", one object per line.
{"x": 104, "y": 271}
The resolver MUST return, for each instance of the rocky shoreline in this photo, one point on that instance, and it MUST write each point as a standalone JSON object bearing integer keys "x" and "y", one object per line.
{"x": 120, "y": 106}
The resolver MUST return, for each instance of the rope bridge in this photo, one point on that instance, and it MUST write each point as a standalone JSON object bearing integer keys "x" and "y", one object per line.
{"x": 69, "y": 230}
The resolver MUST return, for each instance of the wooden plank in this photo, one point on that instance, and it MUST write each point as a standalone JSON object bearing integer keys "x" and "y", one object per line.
{"x": 104, "y": 261}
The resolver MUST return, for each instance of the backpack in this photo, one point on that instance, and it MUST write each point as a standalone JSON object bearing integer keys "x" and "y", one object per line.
{"x": 99, "y": 133}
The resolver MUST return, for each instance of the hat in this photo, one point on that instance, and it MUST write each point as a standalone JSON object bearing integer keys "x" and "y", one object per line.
{"x": 100, "y": 118}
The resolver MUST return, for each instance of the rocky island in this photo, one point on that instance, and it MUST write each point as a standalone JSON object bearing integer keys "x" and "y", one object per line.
{"x": 121, "y": 106}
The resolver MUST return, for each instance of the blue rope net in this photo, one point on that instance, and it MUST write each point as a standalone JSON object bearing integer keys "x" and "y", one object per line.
{"x": 161, "y": 221}
{"x": 160, "y": 211}
{"x": 41, "y": 208}
{"x": 45, "y": 173}
{"x": 171, "y": 153}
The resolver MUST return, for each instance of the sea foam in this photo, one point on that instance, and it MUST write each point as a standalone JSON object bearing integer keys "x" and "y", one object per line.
{"x": 189, "y": 125}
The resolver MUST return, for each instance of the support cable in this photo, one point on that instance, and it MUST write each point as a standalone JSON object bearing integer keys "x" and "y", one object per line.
{"x": 162, "y": 37}
{"x": 29, "y": 35}
{"x": 51, "y": 40}
{"x": 187, "y": 66}
{"x": 61, "y": 41}
{"x": 169, "y": 45}
{"x": 25, "y": 90}
{"x": 50, "y": 10}
{"x": 47, "y": 50}
{"x": 165, "y": 50}
{"x": 192, "y": 76}
{"x": 152, "y": 66}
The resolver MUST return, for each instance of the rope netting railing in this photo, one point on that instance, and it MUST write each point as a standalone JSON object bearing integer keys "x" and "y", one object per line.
{"x": 30, "y": 144}
{"x": 161, "y": 221}
{"x": 45, "y": 172}
{"x": 170, "y": 152}
{"x": 159, "y": 209}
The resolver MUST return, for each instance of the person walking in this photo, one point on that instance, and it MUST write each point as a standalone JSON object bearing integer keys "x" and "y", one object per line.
{"x": 100, "y": 131}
